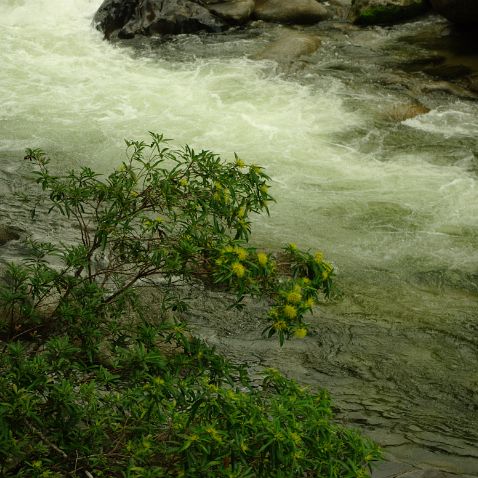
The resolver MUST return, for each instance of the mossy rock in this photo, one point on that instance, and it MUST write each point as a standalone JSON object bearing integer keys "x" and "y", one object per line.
{"x": 386, "y": 12}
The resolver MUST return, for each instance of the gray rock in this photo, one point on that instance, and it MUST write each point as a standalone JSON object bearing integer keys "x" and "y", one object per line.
{"x": 464, "y": 12}
{"x": 236, "y": 11}
{"x": 290, "y": 11}
{"x": 384, "y": 12}
{"x": 290, "y": 46}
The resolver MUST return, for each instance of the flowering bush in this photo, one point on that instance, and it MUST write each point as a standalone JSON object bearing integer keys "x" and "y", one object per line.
{"x": 90, "y": 386}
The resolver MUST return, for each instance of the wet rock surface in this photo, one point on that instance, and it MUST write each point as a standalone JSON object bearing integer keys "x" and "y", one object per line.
{"x": 290, "y": 46}
{"x": 388, "y": 377}
{"x": 292, "y": 11}
{"x": 128, "y": 18}
{"x": 383, "y": 12}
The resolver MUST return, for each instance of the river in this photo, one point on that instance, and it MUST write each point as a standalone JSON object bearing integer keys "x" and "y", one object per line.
{"x": 392, "y": 202}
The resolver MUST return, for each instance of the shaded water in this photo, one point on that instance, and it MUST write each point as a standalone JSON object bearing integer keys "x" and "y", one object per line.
{"x": 393, "y": 203}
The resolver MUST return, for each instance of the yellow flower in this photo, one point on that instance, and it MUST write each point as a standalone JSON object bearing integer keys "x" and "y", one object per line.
{"x": 279, "y": 325}
{"x": 293, "y": 246}
{"x": 158, "y": 219}
{"x": 133, "y": 194}
{"x": 183, "y": 182}
{"x": 290, "y": 311}
{"x": 262, "y": 258}
{"x": 194, "y": 437}
{"x": 240, "y": 163}
{"x": 319, "y": 257}
{"x": 214, "y": 434}
{"x": 295, "y": 437}
{"x": 325, "y": 274}
{"x": 241, "y": 253}
{"x": 158, "y": 381}
{"x": 306, "y": 280}
{"x": 310, "y": 302}
{"x": 298, "y": 455}
{"x": 273, "y": 313}
{"x": 300, "y": 333}
{"x": 279, "y": 436}
{"x": 294, "y": 297}
{"x": 238, "y": 269}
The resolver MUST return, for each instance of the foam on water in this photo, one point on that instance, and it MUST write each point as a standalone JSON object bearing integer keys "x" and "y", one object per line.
{"x": 64, "y": 89}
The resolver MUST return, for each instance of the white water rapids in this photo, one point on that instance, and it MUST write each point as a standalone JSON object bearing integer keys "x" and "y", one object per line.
{"x": 393, "y": 204}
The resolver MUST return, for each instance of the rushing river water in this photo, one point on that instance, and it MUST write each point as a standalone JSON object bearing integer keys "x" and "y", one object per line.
{"x": 394, "y": 204}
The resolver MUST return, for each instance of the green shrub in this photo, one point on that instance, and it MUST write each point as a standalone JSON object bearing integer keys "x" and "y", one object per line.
{"x": 89, "y": 385}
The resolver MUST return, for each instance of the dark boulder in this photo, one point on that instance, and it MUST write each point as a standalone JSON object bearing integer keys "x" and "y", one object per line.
{"x": 462, "y": 12}
{"x": 290, "y": 11}
{"x": 149, "y": 17}
{"x": 385, "y": 12}
{"x": 113, "y": 15}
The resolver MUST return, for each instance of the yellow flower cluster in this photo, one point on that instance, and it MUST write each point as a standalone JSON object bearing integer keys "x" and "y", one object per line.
{"x": 280, "y": 325}
{"x": 262, "y": 258}
{"x": 294, "y": 297}
{"x": 300, "y": 333}
{"x": 238, "y": 269}
{"x": 290, "y": 311}
{"x": 241, "y": 253}
{"x": 214, "y": 434}
{"x": 318, "y": 257}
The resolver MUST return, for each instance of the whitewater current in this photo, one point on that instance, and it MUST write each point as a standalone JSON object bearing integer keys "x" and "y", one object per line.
{"x": 392, "y": 202}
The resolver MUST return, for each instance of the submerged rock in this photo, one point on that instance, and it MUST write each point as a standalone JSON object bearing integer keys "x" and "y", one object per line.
{"x": 404, "y": 111}
{"x": 463, "y": 12}
{"x": 290, "y": 46}
{"x": 383, "y": 12}
{"x": 290, "y": 11}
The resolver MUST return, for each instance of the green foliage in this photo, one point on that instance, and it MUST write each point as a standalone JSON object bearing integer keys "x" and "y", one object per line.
{"x": 388, "y": 14}
{"x": 149, "y": 415}
{"x": 91, "y": 384}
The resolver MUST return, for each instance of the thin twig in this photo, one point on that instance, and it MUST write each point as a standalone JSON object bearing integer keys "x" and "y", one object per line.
{"x": 46, "y": 440}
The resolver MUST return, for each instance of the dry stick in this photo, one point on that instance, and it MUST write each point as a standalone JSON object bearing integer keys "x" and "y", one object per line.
{"x": 45, "y": 439}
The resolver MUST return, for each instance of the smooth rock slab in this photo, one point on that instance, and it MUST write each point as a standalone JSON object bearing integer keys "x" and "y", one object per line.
{"x": 301, "y": 12}
{"x": 236, "y": 11}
